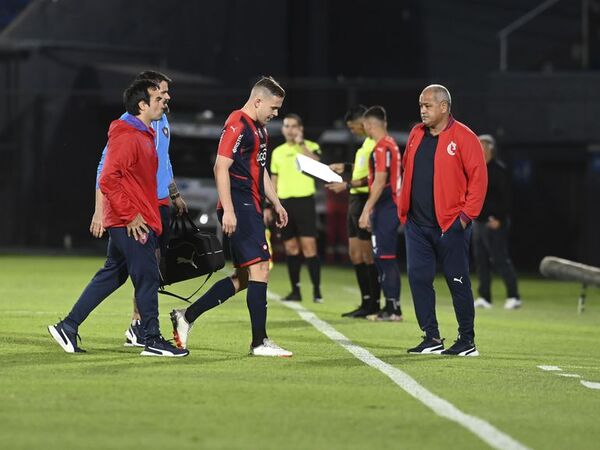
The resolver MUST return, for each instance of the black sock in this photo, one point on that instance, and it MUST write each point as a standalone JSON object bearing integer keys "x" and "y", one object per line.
{"x": 314, "y": 270}
{"x": 294, "y": 263}
{"x": 362, "y": 277}
{"x": 217, "y": 294}
{"x": 374, "y": 284}
{"x": 390, "y": 283}
{"x": 256, "y": 299}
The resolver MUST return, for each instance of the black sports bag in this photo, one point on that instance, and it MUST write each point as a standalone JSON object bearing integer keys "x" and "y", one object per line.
{"x": 191, "y": 253}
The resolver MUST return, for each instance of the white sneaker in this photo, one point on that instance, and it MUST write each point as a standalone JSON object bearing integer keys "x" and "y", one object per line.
{"x": 482, "y": 303}
{"x": 512, "y": 303}
{"x": 181, "y": 327}
{"x": 269, "y": 348}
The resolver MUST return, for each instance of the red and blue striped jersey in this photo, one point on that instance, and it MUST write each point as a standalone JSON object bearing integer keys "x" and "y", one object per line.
{"x": 386, "y": 158}
{"x": 245, "y": 142}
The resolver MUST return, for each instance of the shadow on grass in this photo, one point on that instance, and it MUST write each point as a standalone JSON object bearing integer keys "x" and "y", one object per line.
{"x": 39, "y": 351}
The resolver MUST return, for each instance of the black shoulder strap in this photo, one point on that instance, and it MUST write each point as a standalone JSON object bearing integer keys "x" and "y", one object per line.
{"x": 185, "y": 299}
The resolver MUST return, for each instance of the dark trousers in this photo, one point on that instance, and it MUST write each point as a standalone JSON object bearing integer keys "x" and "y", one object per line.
{"x": 425, "y": 246}
{"x": 125, "y": 257}
{"x": 491, "y": 250}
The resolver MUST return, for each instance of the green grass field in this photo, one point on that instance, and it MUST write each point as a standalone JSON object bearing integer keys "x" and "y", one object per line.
{"x": 322, "y": 398}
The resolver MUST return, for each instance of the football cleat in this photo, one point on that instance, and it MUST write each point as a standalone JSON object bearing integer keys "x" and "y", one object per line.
{"x": 482, "y": 303}
{"x": 269, "y": 348}
{"x": 181, "y": 327}
{"x": 513, "y": 303}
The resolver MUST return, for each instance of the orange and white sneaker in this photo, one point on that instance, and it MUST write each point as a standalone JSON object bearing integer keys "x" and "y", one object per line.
{"x": 181, "y": 327}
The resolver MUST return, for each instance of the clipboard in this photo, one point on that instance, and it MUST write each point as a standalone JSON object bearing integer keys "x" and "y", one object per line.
{"x": 316, "y": 169}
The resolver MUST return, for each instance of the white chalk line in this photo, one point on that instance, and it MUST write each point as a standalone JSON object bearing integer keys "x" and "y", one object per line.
{"x": 587, "y": 384}
{"x": 482, "y": 429}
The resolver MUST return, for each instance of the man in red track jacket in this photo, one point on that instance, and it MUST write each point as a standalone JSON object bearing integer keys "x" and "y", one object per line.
{"x": 443, "y": 189}
{"x": 132, "y": 219}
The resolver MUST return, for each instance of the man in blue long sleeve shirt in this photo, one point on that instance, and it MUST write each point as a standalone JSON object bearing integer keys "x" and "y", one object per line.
{"x": 167, "y": 193}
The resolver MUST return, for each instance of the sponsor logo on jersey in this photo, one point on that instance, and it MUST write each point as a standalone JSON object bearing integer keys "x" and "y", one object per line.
{"x": 237, "y": 143}
{"x": 261, "y": 156}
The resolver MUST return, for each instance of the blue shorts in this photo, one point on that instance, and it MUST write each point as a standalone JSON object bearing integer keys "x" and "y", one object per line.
{"x": 384, "y": 226}
{"x": 248, "y": 243}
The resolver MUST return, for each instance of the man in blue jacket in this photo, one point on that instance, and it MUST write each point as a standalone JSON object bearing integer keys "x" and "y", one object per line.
{"x": 167, "y": 192}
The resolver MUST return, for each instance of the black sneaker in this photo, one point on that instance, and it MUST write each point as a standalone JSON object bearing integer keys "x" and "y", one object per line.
{"x": 362, "y": 311}
{"x": 293, "y": 296}
{"x": 158, "y": 346}
{"x": 134, "y": 336}
{"x": 427, "y": 347}
{"x": 65, "y": 338}
{"x": 385, "y": 316}
{"x": 462, "y": 347}
{"x": 352, "y": 313}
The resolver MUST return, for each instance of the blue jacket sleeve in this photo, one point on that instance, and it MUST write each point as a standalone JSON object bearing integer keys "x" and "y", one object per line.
{"x": 100, "y": 165}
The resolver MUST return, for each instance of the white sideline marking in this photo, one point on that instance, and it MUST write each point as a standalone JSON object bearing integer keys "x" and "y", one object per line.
{"x": 569, "y": 375}
{"x": 485, "y": 431}
{"x": 589, "y": 384}
{"x": 550, "y": 368}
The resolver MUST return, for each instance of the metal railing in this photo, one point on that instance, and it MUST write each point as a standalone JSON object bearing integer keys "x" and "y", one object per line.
{"x": 505, "y": 32}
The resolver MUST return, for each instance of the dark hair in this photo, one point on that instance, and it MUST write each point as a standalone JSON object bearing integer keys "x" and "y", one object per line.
{"x": 296, "y": 117}
{"x": 152, "y": 75}
{"x": 354, "y": 113}
{"x": 377, "y": 112}
{"x": 138, "y": 91}
{"x": 270, "y": 85}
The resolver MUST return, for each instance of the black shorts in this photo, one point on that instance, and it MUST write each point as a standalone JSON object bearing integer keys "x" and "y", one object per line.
{"x": 302, "y": 218}
{"x": 356, "y": 203}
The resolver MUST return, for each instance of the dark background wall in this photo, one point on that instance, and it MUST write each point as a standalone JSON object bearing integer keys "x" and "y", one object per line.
{"x": 64, "y": 64}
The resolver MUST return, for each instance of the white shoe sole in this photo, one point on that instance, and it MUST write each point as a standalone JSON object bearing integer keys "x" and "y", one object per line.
{"x": 277, "y": 356}
{"x": 466, "y": 354}
{"x": 429, "y": 351}
{"x": 59, "y": 339}
{"x": 163, "y": 354}
{"x": 282, "y": 354}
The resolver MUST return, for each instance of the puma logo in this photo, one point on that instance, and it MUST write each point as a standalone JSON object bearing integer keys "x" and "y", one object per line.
{"x": 232, "y": 128}
{"x": 458, "y": 280}
{"x": 182, "y": 260}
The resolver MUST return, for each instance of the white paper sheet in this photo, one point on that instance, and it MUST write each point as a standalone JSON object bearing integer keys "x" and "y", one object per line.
{"x": 316, "y": 169}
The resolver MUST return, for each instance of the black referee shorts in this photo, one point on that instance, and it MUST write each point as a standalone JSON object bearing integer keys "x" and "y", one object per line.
{"x": 302, "y": 217}
{"x": 356, "y": 203}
